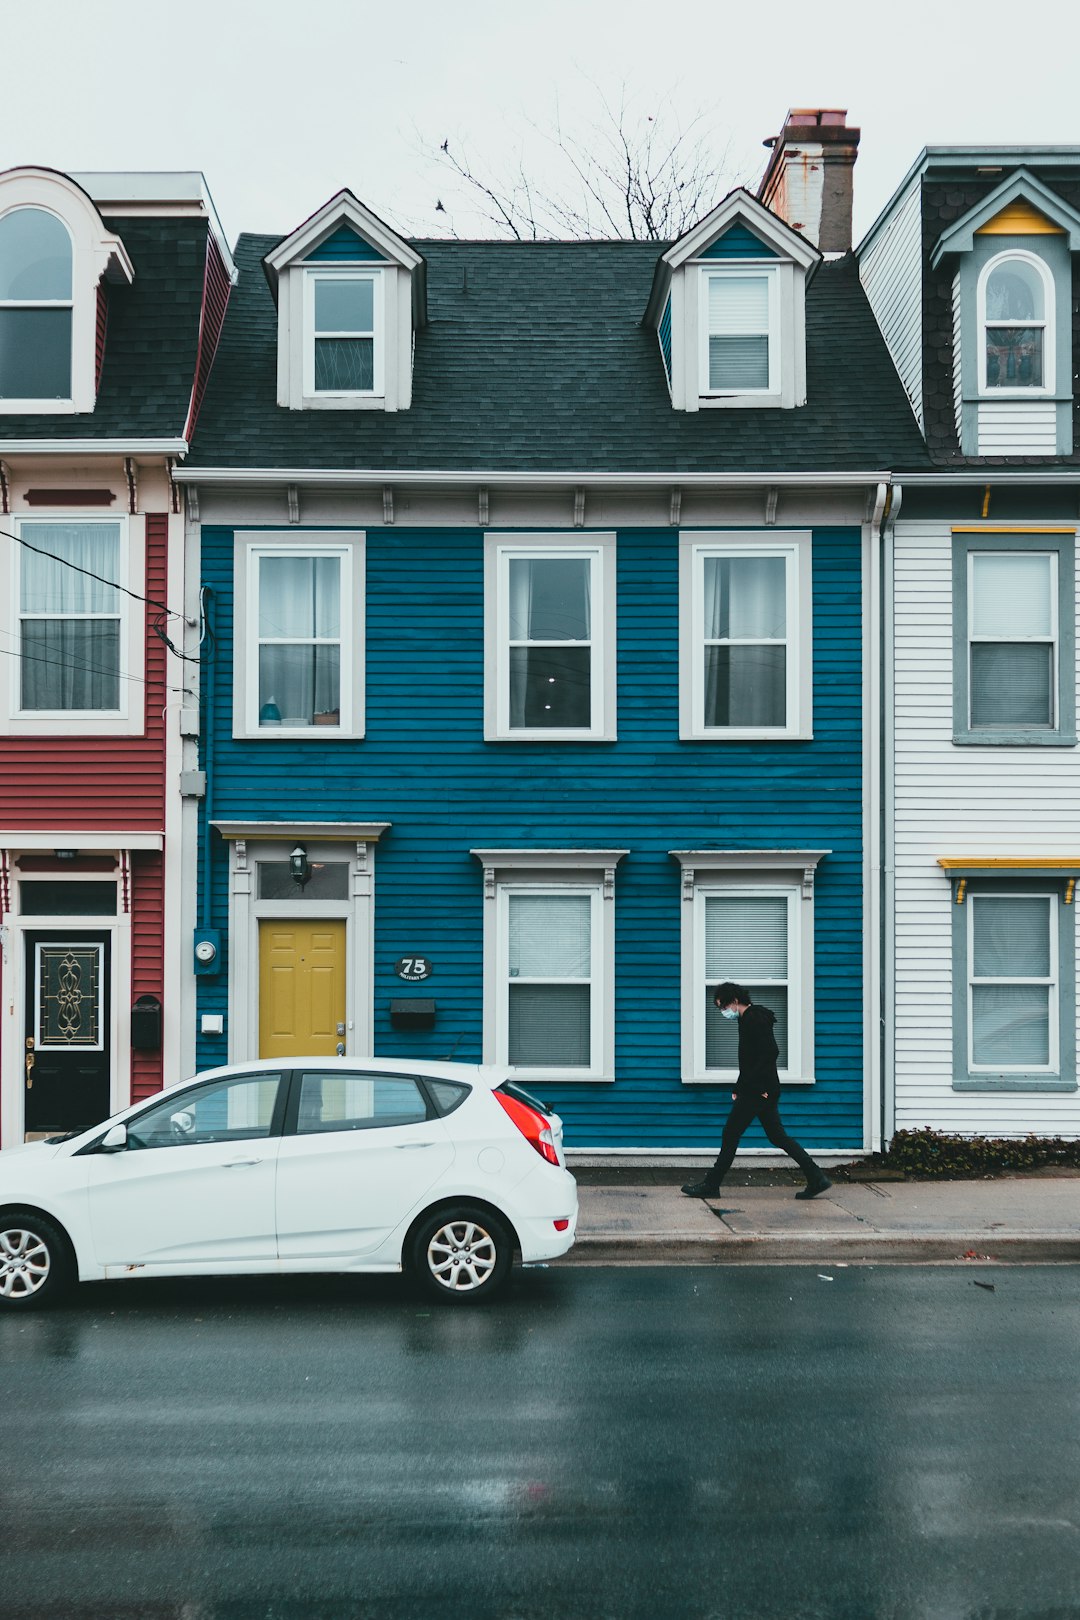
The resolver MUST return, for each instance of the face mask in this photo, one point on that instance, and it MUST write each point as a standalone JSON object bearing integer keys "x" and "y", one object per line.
{"x": 728, "y": 1012}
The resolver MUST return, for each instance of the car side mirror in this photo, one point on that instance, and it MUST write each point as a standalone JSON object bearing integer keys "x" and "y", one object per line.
{"x": 114, "y": 1140}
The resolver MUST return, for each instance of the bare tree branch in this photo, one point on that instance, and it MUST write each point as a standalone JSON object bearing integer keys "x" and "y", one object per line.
{"x": 630, "y": 173}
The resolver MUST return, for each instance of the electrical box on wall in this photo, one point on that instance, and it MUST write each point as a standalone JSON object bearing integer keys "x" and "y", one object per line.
{"x": 207, "y": 951}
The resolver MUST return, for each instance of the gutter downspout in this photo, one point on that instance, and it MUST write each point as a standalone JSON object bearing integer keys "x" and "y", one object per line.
{"x": 871, "y": 685}
{"x": 888, "y": 814}
{"x": 206, "y": 910}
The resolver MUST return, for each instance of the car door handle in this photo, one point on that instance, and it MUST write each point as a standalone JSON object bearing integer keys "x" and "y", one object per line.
{"x": 239, "y": 1164}
{"x": 403, "y": 1147}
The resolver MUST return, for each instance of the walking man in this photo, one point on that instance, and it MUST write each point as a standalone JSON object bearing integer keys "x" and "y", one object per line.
{"x": 756, "y": 1095}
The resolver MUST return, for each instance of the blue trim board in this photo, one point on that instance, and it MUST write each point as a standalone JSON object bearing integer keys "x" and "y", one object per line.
{"x": 739, "y": 243}
{"x": 344, "y": 246}
{"x": 424, "y": 767}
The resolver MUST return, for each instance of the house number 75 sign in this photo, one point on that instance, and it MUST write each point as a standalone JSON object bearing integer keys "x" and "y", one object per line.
{"x": 413, "y": 968}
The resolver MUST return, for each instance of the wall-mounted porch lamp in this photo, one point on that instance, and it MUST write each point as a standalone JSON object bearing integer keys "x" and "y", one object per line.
{"x": 299, "y": 866}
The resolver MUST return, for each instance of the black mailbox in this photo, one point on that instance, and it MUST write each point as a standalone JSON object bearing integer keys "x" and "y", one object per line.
{"x": 416, "y": 1012}
{"x": 146, "y": 1024}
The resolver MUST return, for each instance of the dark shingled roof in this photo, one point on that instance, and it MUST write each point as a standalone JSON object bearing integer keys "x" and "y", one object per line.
{"x": 151, "y": 342}
{"x": 534, "y": 359}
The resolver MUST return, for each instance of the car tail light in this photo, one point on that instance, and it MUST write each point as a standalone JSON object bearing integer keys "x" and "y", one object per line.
{"x": 560, "y": 1226}
{"x": 532, "y": 1125}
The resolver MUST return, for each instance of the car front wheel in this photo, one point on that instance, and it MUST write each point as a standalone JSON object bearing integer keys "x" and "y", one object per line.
{"x": 35, "y": 1267}
{"x": 462, "y": 1253}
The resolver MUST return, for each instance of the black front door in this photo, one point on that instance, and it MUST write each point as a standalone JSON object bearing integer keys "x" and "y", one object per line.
{"x": 66, "y": 1044}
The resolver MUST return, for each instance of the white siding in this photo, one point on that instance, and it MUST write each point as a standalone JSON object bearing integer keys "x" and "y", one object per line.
{"x": 957, "y": 384}
{"x": 1018, "y": 427}
{"x": 891, "y": 272}
{"x": 956, "y": 801}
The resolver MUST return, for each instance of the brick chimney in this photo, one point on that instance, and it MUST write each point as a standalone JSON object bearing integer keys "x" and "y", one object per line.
{"x": 808, "y": 177}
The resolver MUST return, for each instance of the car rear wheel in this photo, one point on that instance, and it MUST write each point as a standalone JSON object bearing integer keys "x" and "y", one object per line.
{"x": 462, "y": 1253}
{"x": 35, "y": 1265}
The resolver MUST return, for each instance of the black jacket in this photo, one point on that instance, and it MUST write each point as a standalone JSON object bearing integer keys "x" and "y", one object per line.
{"x": 758, "y": 1053}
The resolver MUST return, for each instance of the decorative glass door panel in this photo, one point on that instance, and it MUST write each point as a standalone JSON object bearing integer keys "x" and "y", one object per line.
{"x": 67, "y": 1043}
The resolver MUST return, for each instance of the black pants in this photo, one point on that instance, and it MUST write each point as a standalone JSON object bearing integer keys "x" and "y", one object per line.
{"x": 767, "y": 1109}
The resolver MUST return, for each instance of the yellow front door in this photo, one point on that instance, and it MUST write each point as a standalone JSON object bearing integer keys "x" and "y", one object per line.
{"x": 301, "y": 988}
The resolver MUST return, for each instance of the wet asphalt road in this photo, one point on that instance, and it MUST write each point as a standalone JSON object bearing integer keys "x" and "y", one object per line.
{"x": 623, "y": 1443}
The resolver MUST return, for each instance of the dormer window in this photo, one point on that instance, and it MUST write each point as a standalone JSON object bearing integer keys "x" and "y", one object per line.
{"x": 35, "y": 306}
{"x": 740, "y": 354}
{"x": 728, "y": 306}
{"x": 1017, "y": 299}
{"x": 55, "y": 255}
{"x": 350, "y": 297}
{"x": 1010, "y": 260}
{"x": 343, "y": 347}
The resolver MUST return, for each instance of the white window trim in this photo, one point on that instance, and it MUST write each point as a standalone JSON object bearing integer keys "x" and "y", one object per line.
{"x": 788, "y": 872}
{"x": 498, "y": 550}
{"x": 1048, "y": 324}
{"x": 350, "y": 547}
{"x": 796, "y": 547}
{"x": 343, "y": 272}
{"x": 1054, "y": 638}
{"x": 128, "y": 719}
{"x": 741, "y": 268}
{"x": 1053, "y": 1067}
{"x": 549, "y": 871}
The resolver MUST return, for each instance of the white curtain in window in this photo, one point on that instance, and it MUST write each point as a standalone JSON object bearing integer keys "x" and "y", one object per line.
{"x": 746, "y": 938}
{"x": 48, "y": 586}
{"x": 1011, "y": 595}
{"x": 1011, "y": 936}
{"x": 738, "y": 304}
{"x": 745, "y": 597}
{"x": 69, "y": 660}
{"x": 299, "y": 596}
{"x": 550, "y": 936}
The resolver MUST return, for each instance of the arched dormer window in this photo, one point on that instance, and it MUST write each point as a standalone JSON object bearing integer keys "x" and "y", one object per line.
{"x": 56, "y": 257}
{"x": 35, "y": 305}
{"x": 1016, "y": 319}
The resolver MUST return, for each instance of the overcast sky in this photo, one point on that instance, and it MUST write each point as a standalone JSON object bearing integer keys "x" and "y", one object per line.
{"x": 282, "y": 102}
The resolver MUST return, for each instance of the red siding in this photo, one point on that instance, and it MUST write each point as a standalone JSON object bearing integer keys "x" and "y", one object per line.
{"x": 99, "y": 784}
{"x": 102, "y": 324}
{"x": 216, "y": 289}
{"x": 147, "y": 948}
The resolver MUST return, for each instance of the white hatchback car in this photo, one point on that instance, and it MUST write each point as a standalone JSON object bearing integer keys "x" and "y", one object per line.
{"x": 446, "y": 1170}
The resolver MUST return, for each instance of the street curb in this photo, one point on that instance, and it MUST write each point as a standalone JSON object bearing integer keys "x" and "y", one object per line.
{"x": 816, "y": 1248}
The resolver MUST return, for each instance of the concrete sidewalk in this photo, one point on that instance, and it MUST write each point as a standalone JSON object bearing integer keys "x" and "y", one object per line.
{"x": 1029, "y": 1218}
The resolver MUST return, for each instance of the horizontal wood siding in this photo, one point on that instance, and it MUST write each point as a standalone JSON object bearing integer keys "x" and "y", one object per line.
{"x": 147, "y": 966}
{"x": 216, "y": 290}
{"x": 891, "y": 272}
{"x": 957, "y": 370}
{"x": 425, "y": 767}
{"x": 1017, "y": 427}
{"x": 956, "y": 801}
{"x": 101, "y": 329}
{"x": 100, "y": 783}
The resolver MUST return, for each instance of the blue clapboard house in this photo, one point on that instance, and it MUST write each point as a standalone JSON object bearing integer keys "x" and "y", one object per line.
{"x": 540, "y": 598}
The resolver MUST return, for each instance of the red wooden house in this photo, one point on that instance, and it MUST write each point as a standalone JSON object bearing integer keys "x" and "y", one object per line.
{"x": 112, "y": 294}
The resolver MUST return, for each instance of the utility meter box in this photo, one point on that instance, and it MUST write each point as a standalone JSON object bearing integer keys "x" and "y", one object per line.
{"x": 207, "y": 951}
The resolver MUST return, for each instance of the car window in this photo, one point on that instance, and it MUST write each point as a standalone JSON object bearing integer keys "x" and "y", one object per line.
{"x": 332, "y": 1101}
{"x": 447, "y": 1095}
{"x": 231, "y": 1111}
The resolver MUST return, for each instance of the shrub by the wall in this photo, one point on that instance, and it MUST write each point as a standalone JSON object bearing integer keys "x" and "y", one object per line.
{"x": 927, "y": 1153}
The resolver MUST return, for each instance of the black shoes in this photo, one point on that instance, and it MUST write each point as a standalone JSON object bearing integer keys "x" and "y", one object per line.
{"x": 701, "y": 1189}
{"x": 812, "y": 1188}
